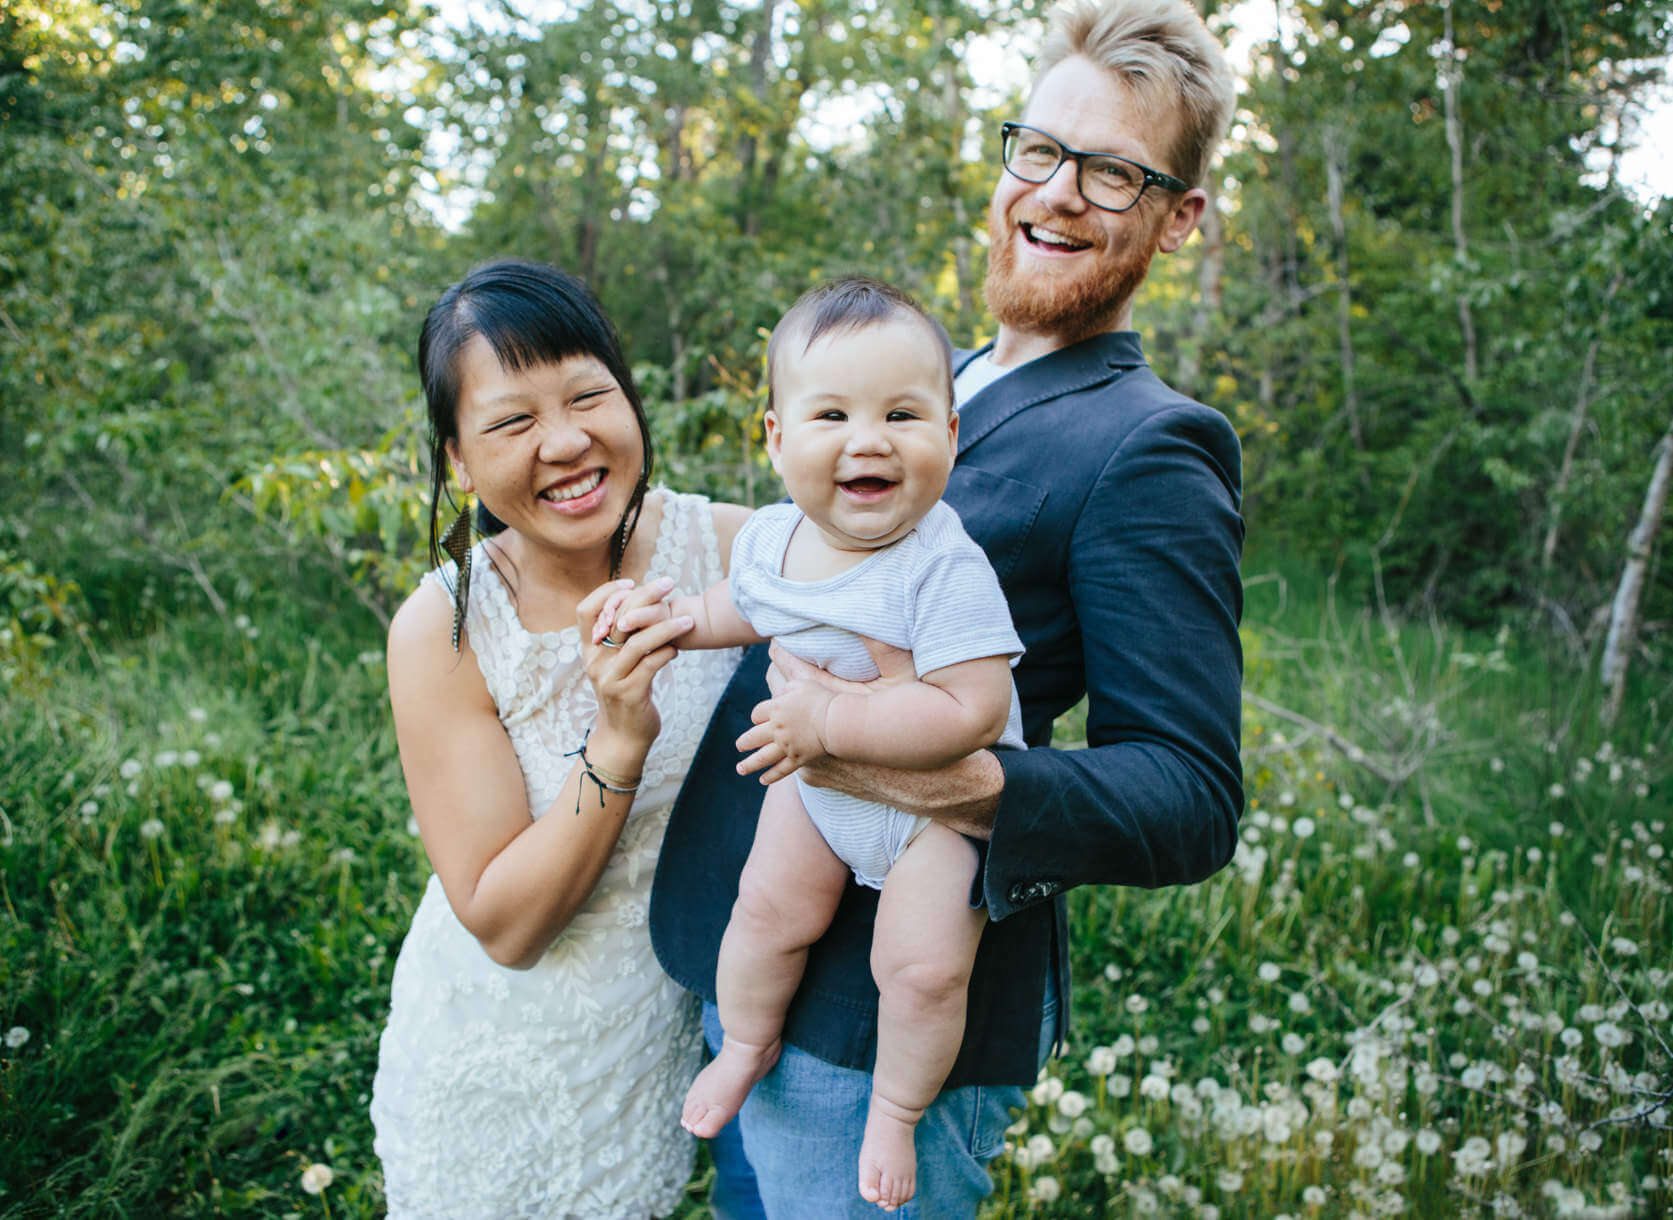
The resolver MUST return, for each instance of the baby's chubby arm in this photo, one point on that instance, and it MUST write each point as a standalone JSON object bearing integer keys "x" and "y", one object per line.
{"x": 918, "y": 726}
{"x": 716, "y": 622}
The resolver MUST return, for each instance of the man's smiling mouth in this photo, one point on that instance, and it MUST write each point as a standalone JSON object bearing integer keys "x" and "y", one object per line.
{"x": 1049, "y": 240}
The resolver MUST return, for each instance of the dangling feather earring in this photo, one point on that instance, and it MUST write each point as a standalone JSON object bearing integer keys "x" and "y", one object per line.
{"x": 457, "y": 544}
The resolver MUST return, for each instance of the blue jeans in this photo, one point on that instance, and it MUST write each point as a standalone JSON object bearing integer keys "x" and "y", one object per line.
{"x": 802, "y": 1126}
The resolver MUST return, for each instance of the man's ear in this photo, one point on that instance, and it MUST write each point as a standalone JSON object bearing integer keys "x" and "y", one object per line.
{"x": 1179, "y": 223}
{"x": 458, "y": 465}
{"x": 775, "y": 436}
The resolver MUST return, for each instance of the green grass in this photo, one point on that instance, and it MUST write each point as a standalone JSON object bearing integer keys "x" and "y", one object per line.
{"x": 206, "y": 870}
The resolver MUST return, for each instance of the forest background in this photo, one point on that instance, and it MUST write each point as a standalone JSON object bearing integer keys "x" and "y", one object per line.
{"x": 1438, "y": 320}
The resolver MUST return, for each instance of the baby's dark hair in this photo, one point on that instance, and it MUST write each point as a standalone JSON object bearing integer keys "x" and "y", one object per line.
{"x": 852, "y": 302}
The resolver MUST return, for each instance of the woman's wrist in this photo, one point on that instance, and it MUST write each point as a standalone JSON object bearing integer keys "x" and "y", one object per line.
{"x": 620, "y": 753}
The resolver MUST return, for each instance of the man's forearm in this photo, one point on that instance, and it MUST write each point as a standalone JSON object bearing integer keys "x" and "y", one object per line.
{"x": 962, "y": 797}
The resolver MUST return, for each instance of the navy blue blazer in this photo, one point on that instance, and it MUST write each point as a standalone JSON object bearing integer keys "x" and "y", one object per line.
{"x": 1108, "y": 505}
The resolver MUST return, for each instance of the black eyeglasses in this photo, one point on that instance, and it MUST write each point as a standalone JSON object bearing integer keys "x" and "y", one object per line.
{"x": 1105, "y": 180}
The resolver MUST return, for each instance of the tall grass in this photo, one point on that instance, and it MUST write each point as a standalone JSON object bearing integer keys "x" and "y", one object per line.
{"x": 1442, "y": 997}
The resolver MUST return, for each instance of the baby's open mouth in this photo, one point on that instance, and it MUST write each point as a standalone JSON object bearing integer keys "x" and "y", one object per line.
{"x": 868, "y": 486}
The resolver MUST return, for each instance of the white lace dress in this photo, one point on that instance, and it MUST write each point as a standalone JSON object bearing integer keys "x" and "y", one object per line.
{"x": 554, "y": 1092}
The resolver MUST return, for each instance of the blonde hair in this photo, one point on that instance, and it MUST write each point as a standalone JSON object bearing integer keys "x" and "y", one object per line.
{"x": 1164, "y": 54}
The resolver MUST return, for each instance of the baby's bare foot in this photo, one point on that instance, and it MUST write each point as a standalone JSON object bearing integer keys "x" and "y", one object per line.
{"x": 719, "y": 1090}
{"x": 888, "y": 1159}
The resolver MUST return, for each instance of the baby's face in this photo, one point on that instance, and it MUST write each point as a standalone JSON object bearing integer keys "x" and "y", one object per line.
{"x": 862, "y": 430}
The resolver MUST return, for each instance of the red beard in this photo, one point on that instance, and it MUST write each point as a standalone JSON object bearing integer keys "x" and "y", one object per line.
{"x": 1071, "y": 309}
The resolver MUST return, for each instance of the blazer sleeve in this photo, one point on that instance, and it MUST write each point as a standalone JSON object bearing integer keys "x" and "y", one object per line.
{"x": 1154, "y": 798}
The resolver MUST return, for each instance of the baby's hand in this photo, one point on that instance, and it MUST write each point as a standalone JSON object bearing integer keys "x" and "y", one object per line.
{"x": 631, "y": 610}
{"x": 789, "y": 732}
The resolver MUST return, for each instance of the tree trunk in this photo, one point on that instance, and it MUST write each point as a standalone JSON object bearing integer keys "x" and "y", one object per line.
{"x": 1576, "y": 426}
{"x": 1452, "y": 76}
{"x": 1287, "y": 237}
{"x": 1623, "y": 614}
{"x": 1334, "y": 156}
{"x": 1209, "y": 271}
{"x": 749, "y": 222}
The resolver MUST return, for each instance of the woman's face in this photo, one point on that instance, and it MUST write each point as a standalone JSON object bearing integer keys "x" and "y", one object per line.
{"x": 553, "y": 451}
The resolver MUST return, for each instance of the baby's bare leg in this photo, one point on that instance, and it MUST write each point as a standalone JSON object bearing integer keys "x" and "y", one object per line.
{"x": 786, "y": 896}
{"x": 923, "y": 947}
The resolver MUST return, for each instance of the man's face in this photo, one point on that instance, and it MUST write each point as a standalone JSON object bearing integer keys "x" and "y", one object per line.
{"x": 1058, "y": 266}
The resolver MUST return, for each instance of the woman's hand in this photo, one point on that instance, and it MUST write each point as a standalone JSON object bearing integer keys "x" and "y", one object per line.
{"x": 621, "y": 674}
{"x": 628, "y": 609}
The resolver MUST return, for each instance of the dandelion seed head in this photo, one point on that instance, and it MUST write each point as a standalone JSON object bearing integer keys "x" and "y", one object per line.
{"x": 151, "y": 828}
{"x": 1137, "y": 1141}
{"x": 16, "y": 1036}
{"x": 1044, "y": 1190}
{"x": 316, "y": 1177}
{"x": 1322, "y": 1070}
{"x": 1047, "y": 1091}
{"x": 1609, "y": 1034}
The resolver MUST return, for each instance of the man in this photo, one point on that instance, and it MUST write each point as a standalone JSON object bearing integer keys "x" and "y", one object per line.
{"x": 1108, "y": 505}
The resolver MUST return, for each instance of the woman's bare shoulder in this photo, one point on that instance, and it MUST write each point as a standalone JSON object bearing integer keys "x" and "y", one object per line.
{"x": 422, "y": 661}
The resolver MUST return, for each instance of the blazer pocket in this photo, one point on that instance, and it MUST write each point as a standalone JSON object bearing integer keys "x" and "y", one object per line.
{"x": 998, "y": 512}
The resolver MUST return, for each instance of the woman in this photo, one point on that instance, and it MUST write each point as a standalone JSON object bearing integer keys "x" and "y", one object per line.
{"x": 536, "y": 1056}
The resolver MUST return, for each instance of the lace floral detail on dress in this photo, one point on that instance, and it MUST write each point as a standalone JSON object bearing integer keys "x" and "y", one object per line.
{"x": 554, "y": 1092}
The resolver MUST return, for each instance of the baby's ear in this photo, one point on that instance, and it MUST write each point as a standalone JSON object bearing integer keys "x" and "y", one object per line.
{"x": 775, "y": 436}
{"x": 952, "y": 430}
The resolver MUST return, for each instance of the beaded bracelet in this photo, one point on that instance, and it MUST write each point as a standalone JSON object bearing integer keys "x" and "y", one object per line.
{"x": 605, "y": 780}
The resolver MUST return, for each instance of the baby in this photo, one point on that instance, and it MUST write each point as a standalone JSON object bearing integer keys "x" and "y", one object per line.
{"x": 860, "y": 427}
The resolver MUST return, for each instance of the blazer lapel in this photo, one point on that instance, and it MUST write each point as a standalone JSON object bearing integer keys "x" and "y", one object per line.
{"x": 1077, "y": 367}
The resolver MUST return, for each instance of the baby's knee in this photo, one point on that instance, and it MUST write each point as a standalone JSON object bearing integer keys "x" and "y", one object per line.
{"x": 919, "y": 984}
{"x": 768, "y": 914}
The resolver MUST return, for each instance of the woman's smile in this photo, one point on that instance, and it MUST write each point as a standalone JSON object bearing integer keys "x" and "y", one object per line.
{"x": 579, "y": 495}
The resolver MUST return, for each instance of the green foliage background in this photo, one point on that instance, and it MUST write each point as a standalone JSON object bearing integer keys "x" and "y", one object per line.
{"x": 1439, "y": 324}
